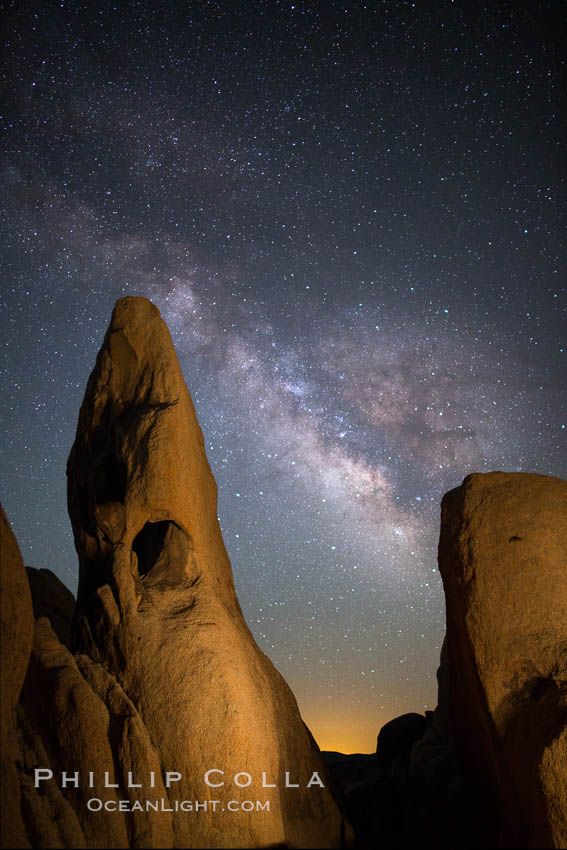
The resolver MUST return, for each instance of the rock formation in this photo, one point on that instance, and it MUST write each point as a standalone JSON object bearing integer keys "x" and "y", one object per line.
{"x": 51, "y": 599}
{"x": 503, "y": 560}
{"x": 397, "y": 737}
{"x": 16, "y": 635}
{"x": 163, "y": 681}
{"x": 413, "y": 792}
{"x": 16, "y": 625}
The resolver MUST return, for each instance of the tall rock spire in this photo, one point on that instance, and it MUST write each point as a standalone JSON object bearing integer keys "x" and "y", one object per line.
{"x": 157, "y": 609}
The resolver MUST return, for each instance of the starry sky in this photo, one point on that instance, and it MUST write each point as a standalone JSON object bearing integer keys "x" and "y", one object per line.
{"x": 352, "y": 217}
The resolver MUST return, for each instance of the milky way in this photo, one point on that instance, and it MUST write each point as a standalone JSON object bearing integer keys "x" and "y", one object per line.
{"x": 350, "y": 216}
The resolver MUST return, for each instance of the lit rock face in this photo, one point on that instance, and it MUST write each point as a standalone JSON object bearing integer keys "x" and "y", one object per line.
{"x": 16, "y": 625}
{"x": 503, "y": 559}
{"x": 16, "y": 635}
{"x": 157, "y": 614}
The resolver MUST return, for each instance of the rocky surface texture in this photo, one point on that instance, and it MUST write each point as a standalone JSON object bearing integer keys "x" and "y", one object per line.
{"x": 503, "y": 560}
{"x": 163, "y": 674}
{"x": 16, "y": 625}
{"x": 16, "y": 636}
{"x": 51, "y": 599}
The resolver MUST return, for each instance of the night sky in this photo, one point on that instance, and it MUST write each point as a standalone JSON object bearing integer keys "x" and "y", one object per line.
{"x": 351, "y": 216}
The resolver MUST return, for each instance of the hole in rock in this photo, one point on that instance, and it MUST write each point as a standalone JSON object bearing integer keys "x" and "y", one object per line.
{"x": 162, "y": 549}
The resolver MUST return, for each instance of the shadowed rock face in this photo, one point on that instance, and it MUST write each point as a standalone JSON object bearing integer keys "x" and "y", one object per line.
{"x": 51, "y": 599}
{"x": 503, "y": 559}
{"x": 157, "y": 614}
{"x": 397, "y": 737}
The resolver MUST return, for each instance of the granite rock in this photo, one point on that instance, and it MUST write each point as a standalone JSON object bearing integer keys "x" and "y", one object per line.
{"x": 52, "y": 599}
{"x": 16, "y": 625}
{"x": 157, "y": 608}
{"x": 503, "y": 560}
{"x": 16, "y": 638}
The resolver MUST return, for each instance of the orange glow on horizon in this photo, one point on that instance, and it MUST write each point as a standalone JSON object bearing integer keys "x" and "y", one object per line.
{"x": 344, "y": 728}
{"x": 342, "y": 742}
{"x": 344, "y": 734}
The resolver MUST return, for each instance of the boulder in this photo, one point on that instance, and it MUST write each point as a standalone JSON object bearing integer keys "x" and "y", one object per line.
{"x": 503, "y": 560}
{"x": 397, "y": 737}
{"x": 16, "y": 625}
{"x": 16, "y": 638}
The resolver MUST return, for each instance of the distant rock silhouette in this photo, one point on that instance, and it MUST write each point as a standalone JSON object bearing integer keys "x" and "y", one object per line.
{"x": 397, "y": 737}
{"x": 412, "y": 792}
{"x": 503, "y": 560}
{"x": 164, "y": 675}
